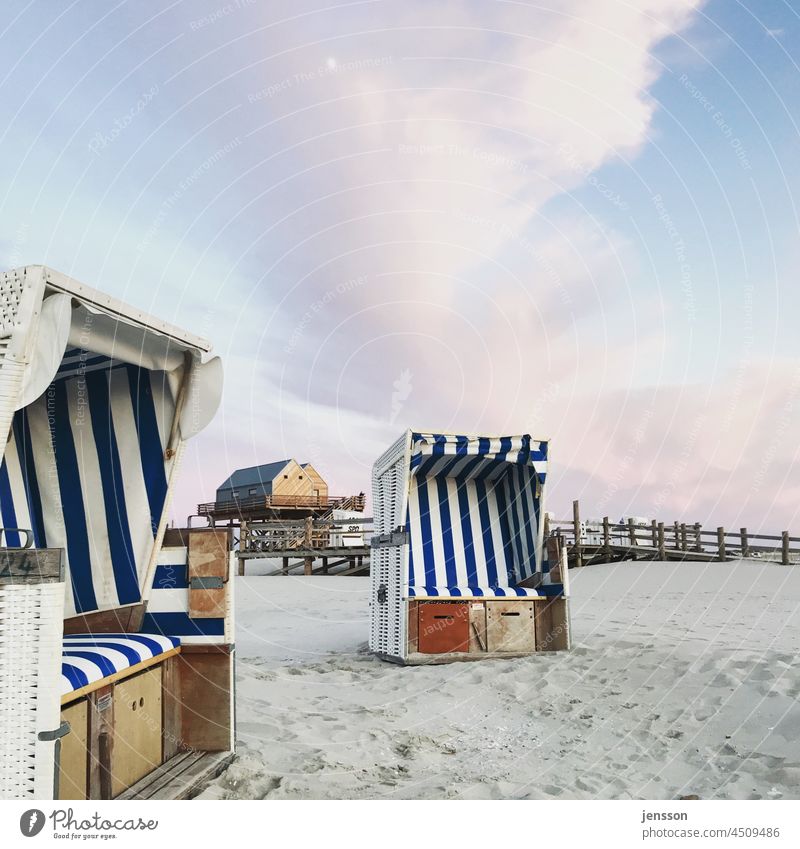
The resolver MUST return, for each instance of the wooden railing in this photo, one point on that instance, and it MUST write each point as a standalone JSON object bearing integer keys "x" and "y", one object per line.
{"x": 265, "y": 502}
{"x": 674, "y": 540}
{"x": 281, "y": 537}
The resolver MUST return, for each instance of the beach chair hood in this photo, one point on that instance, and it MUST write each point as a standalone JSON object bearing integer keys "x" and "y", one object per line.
{"x": 96, "y": 401}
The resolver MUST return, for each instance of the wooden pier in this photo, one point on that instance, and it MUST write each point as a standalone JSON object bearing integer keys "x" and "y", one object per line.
{"x": 608, "y": 542}
{"x": 298, "y": 530}
{"x": 342, "y": 546}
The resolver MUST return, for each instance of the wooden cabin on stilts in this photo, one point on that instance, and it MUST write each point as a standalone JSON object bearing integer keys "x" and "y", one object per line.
{"x": 116, "y": 633}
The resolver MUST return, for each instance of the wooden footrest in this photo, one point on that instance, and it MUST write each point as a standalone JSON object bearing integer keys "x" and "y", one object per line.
{"x": 181, "y": 777}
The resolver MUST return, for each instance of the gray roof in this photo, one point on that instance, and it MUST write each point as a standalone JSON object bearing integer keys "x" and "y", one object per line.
{"x": 254, "y": 475}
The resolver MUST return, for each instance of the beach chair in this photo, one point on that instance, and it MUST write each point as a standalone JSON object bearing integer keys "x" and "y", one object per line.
{"x": 458, "y": 566}
{"x": 116, "y": 632}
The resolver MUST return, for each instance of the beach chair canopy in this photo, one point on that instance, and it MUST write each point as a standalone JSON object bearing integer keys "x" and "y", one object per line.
{"x": 473, "y": 517}
{"x": 95, "y": 420}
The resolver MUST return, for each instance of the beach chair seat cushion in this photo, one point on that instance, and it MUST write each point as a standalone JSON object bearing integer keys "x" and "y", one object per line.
{"x": 484, "y": 591}
{"x": 88, "y": 658}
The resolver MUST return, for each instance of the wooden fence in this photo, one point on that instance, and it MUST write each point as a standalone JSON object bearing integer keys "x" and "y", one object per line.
{"x": 603, "y": 541}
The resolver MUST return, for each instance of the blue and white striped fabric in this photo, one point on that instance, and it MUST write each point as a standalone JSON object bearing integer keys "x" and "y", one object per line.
{"x": 88, "y": 658}
{"x": 168, "y": 605}
{"x": 473, "y": 515}
{"x": 485, "y": 592}
{"x": 85, "y": 471}
{"x": 466, "y": 457}
{"x": 471, "y": 592}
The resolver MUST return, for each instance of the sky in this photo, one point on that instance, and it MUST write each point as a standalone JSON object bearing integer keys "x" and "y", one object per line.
{"x": 573, "y": 219}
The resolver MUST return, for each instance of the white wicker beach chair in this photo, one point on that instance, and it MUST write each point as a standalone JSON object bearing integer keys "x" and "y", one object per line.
{"x": 96, "y": 402}
{"x": 459, "y": 569}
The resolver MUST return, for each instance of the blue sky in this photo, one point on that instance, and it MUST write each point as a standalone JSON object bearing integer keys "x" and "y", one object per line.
{"x": 486, "y": 217}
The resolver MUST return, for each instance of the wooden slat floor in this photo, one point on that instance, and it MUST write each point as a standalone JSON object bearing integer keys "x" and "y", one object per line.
{"x": 181, "y": 777}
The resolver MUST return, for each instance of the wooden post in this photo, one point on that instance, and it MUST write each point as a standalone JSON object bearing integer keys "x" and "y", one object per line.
{"x": 308, "y": 543}
{"x": 242, "y": 545}
{"x": 632, "y": 533}
{"x": 654, "y": 532}
{"x": 677, "y": 532}
{"x": 785, "y": 548}
{"x": 698, "y": 542}
{"x": 721, "y": 543}
{"x": 684, "y": 544}
{"x": 105, "y": 746}
{"x": 285, "y": 566}
{"x": 546, "y": 526}
{"x": 607, "y": 538}
{"x": 745, "y": 542}
{"x": 576, "y": 528}
{"x": 662, "y": 548}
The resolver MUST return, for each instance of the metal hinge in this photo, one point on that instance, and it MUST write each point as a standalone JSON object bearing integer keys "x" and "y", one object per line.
{"x": 61, "y": 731}
{"x": 398, "y": 537}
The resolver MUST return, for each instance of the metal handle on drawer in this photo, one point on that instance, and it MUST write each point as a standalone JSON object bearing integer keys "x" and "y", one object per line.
{"x": 28, "y": 537}
{"x": 206, "y": 582}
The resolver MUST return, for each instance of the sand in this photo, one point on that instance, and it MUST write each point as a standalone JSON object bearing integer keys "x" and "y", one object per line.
{"x": 684, "y": 679}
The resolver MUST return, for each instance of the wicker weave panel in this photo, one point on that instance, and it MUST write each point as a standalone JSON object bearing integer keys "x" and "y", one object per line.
{"x": 387, "y": 565}
{"x": 31, "y": 624}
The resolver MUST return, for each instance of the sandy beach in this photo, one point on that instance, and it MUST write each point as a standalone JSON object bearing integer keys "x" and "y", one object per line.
{"x": 683, "y": 679}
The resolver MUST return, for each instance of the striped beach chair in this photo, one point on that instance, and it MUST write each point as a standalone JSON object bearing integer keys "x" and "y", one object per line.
{"x": 459, "y": 568}
{"x": 99, "y": 599}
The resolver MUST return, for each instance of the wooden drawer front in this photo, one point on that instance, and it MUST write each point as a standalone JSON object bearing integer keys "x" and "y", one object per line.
{"x": 510, "y": 626}
{"x": 137, "y": 728}
{"x": 552, "y": 625}
{"x": 443, "y": 627}
{"x": 72, "y": 776}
